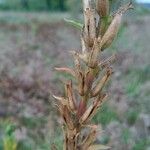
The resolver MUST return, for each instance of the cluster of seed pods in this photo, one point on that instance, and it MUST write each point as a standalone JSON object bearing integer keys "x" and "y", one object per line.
{"x": 84, "y": 97}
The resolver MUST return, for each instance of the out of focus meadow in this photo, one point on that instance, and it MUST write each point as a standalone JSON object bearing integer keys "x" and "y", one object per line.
{"x": 34, "y": 38}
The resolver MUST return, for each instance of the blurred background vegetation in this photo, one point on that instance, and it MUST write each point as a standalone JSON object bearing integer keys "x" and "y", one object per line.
{"x": 33, "y": 40}
{"x": 46, "y": 5}
{"x": 34, "y": 5}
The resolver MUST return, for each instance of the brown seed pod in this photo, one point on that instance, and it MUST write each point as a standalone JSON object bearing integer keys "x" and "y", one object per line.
{"x": 97, "y": 89}
{"x": 88, "y": 80}
{"x": 67, "y": 118}
{"x": 99, "y": 101}
{"x": 81, "y": 108}
{"x": 102, "y": 7}
{"x": 89, "y": 31}
{"x": 92, "y": 110}
{"x": 70, "y": 96}
{"x": 86, "y": 114}
{"x": 111, "y": 32}
{"x": 92, "y": 60}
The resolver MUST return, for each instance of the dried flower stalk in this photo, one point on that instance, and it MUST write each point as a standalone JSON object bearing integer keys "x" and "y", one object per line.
{"x": 77, "y": 112}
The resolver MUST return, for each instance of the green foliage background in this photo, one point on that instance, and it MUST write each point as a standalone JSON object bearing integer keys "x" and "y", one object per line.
{"x": 33, "y": 5}
{"x": 44, "y": 5}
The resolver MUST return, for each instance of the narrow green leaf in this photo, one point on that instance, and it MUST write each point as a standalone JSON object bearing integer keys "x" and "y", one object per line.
{"x": 98, "y": 147}
{"x": 74, "y": 23}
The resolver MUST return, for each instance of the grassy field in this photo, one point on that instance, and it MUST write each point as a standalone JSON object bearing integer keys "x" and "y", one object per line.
{"x": 32, "y": 44}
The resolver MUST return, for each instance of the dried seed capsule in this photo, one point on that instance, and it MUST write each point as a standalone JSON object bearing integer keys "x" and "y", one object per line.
{"x": 101, "y": 84}
{"x": 114, "y": 27}
{"x": 67, "y": 118}
{"x": 86, "y": 114}
{"x": 81, "y": 108}
{"x": 89, "y": 27}
{"x": 88, "y": 81}
{"x": 70, "y": 96}
{"x": 92, "y": 110}
{"x": 111, "y": 32}
{"x": 92, "y": 60}
{"x": 102, "y": 7}
{"x": 97, "y": 105}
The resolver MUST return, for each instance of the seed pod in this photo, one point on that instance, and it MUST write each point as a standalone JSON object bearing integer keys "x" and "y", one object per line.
{"x": 101, "y": 84}
{"x": 81, "y": 108}
{"x": 102, "y": 7}
{"x": 67, "y": 118}
{"x": 89, "y": 33}
{"x": 92, "y": 28}
{"x": 70, "y": 96}
{"x": 97, "y": 105}
{"x": 92, "y": 110}
{"x": 111, "y": 32}
{"x": 92, "y": 61}
{"x": 86, "y": 114}
{"x": 88, "y": 81}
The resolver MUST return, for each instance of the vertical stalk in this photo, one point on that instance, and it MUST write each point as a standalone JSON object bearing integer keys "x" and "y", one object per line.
{"x": 77, "y": 112}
